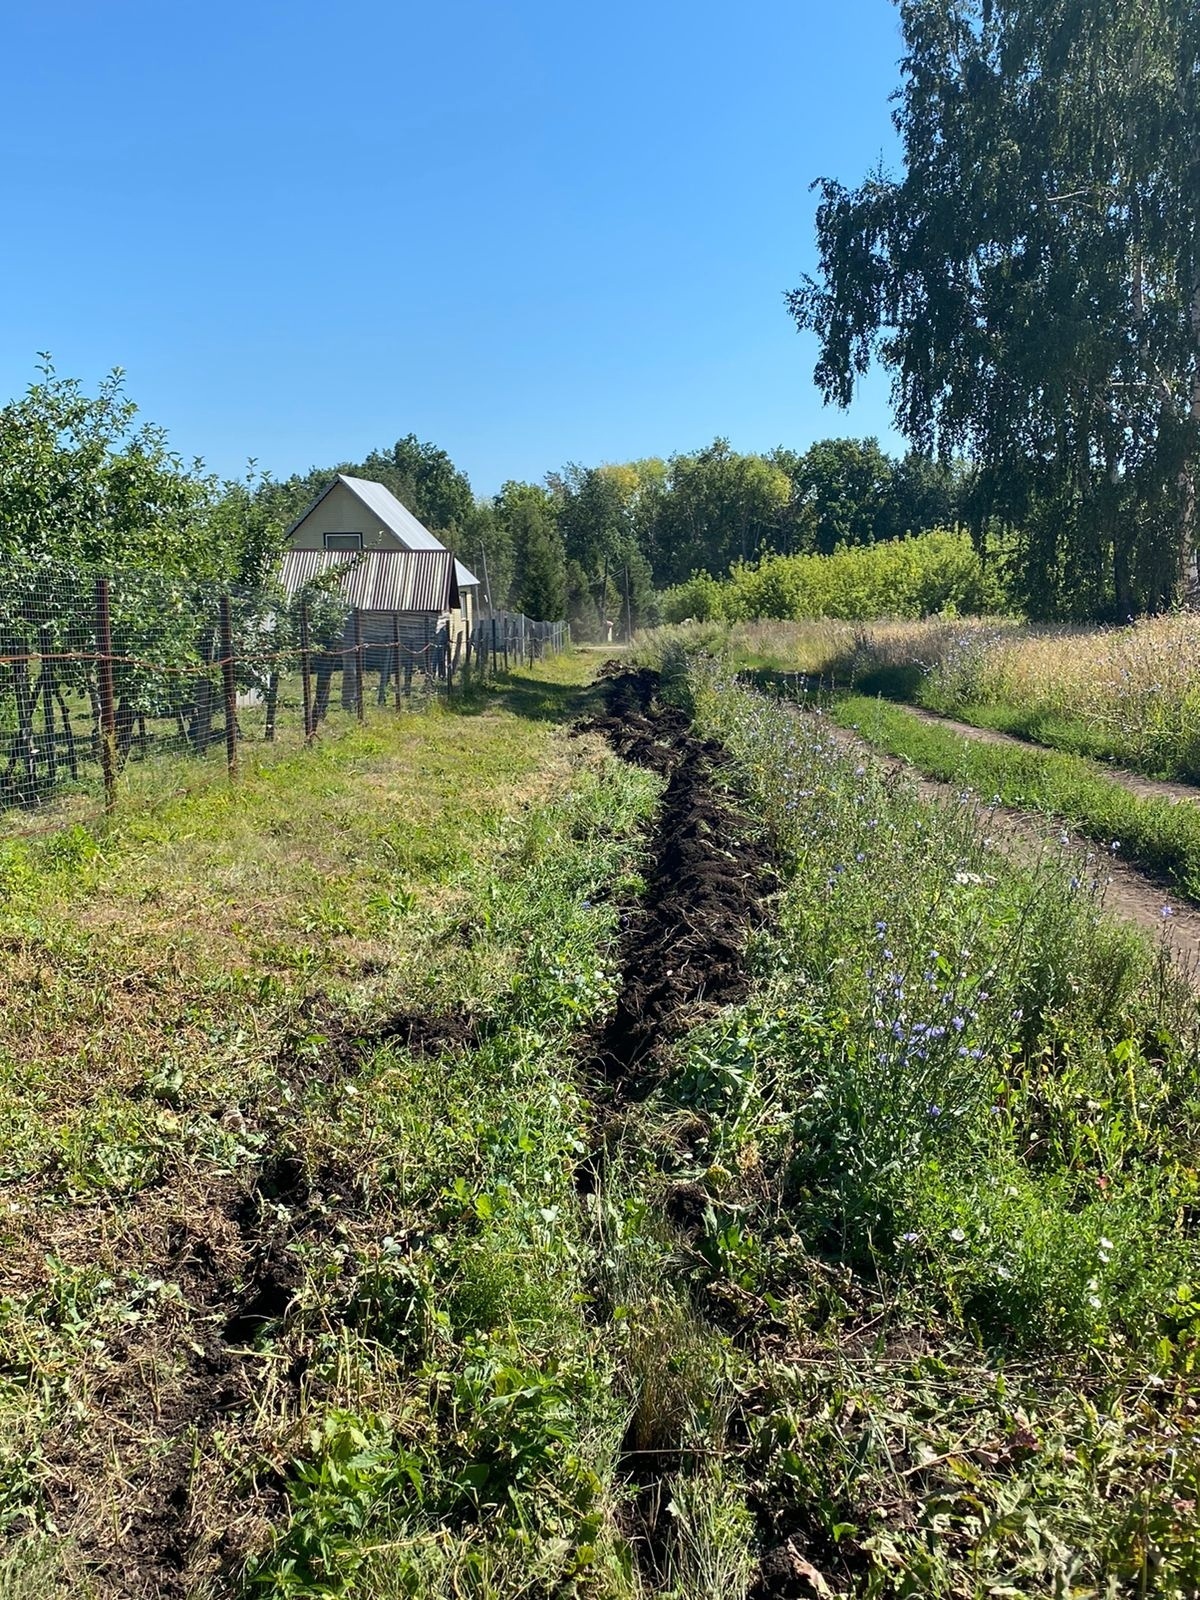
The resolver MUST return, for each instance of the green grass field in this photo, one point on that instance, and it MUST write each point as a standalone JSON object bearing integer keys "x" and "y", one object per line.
{"x": 885, "y": 1285}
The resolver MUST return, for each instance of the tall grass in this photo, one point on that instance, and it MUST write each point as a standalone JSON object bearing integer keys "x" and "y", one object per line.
{"x": 1130, "y": 694}
{"x": 948, "y": 1144}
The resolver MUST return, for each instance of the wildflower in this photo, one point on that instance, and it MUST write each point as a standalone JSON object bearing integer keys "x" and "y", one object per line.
{"x": 881, "y": 928}
{"x": 935, "y": 1111}
{"x": 958, "y": 1023}
{"x": 1167, "y": 912}
{"x": 910, "y": 1238}
{"x": 957, "y": 1235}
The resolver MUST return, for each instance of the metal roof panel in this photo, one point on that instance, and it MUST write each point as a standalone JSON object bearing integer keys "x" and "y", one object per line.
{"x": 379, "y": 580}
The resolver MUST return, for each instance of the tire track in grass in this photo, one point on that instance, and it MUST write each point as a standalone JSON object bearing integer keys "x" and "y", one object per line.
{"x": 1133, "y": 896}
{"x": 1144, "y": 788}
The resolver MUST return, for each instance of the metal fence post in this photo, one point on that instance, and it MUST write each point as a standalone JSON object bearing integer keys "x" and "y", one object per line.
{"x": 306, "y": 672}
{"x": 493, "y": 647}
{"x": 108, "y": 715}
{"x": 230, "y": 682}
{"x": 396, "y": 654}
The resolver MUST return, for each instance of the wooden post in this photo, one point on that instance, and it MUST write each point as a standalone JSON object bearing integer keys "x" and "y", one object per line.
{"x": 47, "y": 682}
{"x": 359, "y": 699}
{"x": 628, "y": 611}
{"x": 493, "y": 647}
{"x": 396, "y": 653}
{"x": 306, "y": 673}
{"x": 272, "y": 706}
{"x": 452, "y": 666}
{"x": 108, "y": 715}
{"x": 506, "y": 628}
{"x": 427, "y": 661}
{"x": 227, "y": 674}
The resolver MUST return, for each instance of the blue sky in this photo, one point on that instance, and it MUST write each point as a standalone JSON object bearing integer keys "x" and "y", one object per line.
{"x": 531, "y": 233}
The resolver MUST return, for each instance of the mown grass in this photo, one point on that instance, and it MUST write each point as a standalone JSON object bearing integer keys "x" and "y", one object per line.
{"x": 947, "y": 1152}
{"x": 428, "y": 1408}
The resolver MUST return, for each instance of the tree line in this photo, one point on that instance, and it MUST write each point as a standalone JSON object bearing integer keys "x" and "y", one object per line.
{"x": 598, "y": 544}
{"x": 84, "y": 480}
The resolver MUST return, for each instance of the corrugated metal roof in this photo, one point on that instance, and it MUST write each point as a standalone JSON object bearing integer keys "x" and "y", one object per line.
{"x": 380, "y": 580}
{"x": 392, "y": 513}
{"x": 466, "y": 578}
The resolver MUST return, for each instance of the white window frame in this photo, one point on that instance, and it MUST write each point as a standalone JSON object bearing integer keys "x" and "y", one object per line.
{"x": 347, "y": 547}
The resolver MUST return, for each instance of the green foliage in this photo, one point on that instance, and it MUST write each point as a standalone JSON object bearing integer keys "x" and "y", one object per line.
{"x": 80, "y": 481}
{"x": 1031, "y": 282}
{"x": 937, "y": 572}
{"x": 539, "y": 586}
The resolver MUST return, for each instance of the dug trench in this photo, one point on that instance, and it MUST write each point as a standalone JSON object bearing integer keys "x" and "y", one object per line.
{"x": 708, "y": 882}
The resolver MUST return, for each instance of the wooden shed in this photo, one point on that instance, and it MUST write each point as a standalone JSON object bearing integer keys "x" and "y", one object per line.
{"x": 353, "y": 515}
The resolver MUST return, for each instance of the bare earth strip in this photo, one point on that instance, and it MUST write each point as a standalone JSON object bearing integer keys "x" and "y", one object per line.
{"x": 1134, "y": 782}
{"x": 1127, "y": 893}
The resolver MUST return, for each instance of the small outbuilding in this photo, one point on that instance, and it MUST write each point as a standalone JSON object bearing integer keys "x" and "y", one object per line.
{"x": 409, "y": 605}
{"x": 356, "y": 514}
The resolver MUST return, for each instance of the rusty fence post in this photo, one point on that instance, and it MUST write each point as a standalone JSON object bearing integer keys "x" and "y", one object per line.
{"x": 359, "y": 697}
{"x": 306, "y": 673}
{"x": 108, "y": 713}
{"x": 229, "y": 680}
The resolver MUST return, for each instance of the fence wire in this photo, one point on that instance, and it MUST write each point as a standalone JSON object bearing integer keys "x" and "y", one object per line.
{"x": 100, "y": 669}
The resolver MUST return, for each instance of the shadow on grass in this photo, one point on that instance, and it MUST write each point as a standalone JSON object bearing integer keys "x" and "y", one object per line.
{"x": 535, "y": 699}
{"x": 889, "y": 683}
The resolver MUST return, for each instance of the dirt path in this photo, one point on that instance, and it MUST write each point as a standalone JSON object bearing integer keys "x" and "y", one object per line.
{"x": 1134, "y": 782}
{"x": 1127, "y": 893}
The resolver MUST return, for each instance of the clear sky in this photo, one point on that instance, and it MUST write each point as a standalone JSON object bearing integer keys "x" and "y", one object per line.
{"x": 533, "y": 233}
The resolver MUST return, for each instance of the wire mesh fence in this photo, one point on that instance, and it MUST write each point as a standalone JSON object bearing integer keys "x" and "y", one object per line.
{"x": 102, "y": 669}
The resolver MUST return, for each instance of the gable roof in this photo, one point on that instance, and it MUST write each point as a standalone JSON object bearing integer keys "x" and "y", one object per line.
{"x": 395, "y": 516}
{"x": 380, "y": 580}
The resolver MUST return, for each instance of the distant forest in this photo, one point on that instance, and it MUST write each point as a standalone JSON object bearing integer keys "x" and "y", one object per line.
{"x": 576, "y": 544}
{"x": 84, "y": 479}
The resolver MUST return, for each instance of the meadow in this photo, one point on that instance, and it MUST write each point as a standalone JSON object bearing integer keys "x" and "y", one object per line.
{"x": 1129, "y": 695}
{"x": 400, "y": 1201}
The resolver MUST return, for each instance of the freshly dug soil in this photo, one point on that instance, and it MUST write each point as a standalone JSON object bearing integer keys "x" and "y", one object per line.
{"x": 683, "y": 946}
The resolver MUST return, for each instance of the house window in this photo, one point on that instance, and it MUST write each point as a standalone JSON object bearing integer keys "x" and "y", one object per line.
{"x": 343, "y": 541}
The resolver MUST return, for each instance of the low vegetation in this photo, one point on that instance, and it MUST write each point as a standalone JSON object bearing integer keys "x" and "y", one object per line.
{"x": 1127, "y": 695}
{"x": 1162, "y": 836}
{"x": 392, "y": 1209}
{"x": 935, "y": 572}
